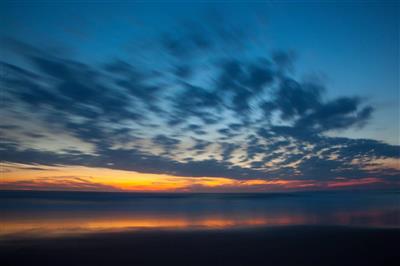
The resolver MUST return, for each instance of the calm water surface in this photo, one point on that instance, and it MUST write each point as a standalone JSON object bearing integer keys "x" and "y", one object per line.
{"x": 54, "y": 213}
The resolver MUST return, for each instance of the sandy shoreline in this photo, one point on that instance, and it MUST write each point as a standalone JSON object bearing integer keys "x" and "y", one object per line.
{"x": 292, "y": 245}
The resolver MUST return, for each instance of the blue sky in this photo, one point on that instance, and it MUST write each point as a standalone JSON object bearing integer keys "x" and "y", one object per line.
{"x": 233, "y": 90}
{"x": 352, "y": 46}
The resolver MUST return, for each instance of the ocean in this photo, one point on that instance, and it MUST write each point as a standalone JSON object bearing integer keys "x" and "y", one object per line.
{"x": 39, "y": 213}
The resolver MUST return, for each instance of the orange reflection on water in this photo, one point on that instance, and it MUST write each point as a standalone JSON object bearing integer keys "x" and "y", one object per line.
{"x": 66, "y": 223}
{"x": 57, "y": 224}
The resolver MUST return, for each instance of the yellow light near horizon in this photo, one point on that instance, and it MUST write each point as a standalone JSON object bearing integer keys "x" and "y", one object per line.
{"x": 62, "y": 177}
{"x": 118, "y": 179}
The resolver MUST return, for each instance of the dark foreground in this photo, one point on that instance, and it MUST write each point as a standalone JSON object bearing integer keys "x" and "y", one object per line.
{"x": 293, "y": 245}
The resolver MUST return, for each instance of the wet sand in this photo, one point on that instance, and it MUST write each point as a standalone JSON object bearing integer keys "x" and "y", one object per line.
{"x": 288, "y": 245}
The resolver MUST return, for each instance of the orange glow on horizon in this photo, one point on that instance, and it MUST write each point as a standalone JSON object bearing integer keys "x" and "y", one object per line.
{"x": 353, "y": 182}
{"x": 19, "y": 176}
{"x": 39, "y": 177}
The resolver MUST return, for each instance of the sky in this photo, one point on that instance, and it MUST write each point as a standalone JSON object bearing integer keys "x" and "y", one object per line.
{"x": 199, "y": 97}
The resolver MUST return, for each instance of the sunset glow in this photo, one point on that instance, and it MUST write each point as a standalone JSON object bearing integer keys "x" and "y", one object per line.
{"x": 40, "y": 177}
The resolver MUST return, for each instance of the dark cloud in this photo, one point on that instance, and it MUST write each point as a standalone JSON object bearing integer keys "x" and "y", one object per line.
{"x": 5, "y": 127}
{"x": 301, "y": 104}
{"x": 34, "y": 135}
{"x": 166, "y": 142}
{"x": 183, "y": 71}
{"x": 284, "y": 60}
{"x": 200, "y": 145}
{"x": 341, "y": 113}
{"x": 195, "y": 101}
{"x": 227, "y": 133}
{"x": 293, "y": 99}
{"x": 235, "y": 126}
{"x": 243, "y": 81}
{"x": 185, "y": 44}
{"x": 227, "y": 150}
{"x": 211, "y": 31}
{"x": 198, "y": 129}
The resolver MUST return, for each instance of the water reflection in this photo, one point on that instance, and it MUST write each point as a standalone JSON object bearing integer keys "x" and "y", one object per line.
{"x": 72, "y": 213}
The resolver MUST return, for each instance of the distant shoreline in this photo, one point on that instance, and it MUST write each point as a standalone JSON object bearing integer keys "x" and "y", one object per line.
{"x": 177, "y": 193}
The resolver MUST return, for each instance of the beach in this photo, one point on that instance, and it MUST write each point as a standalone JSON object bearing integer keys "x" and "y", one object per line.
{"x": 287, "y": 245}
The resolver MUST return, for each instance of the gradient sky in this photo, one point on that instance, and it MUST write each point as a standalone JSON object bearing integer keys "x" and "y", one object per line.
{"x": 200, "y": 97}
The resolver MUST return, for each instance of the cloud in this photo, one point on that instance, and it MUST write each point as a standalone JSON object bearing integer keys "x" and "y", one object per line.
{"x": 210, "y": 32}
{"x": 62, "y": 183}
{"x": 241, "y": 81}
{"x": 194, "y": 101}
{"x": 167, "y": 142}
{"x": 183, "y": 71}
{"x": 293, "y": 99}
{"x": 249, "y": 120}
{"x": 198, "y": 129}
